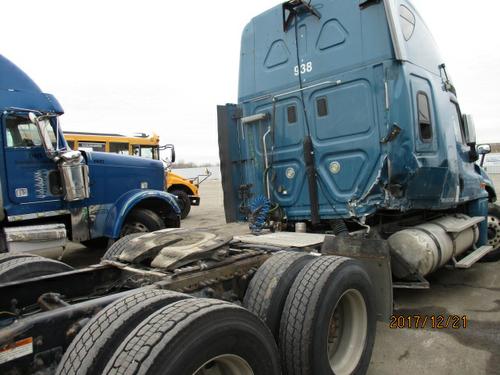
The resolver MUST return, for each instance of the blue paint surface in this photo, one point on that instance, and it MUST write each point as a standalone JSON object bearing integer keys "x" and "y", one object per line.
{"x": 347, "y": 60}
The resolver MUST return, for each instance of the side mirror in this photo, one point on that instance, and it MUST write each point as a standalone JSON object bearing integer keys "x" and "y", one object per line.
{"x": 45, "y": 130}
{"x": 170, "y": 147}
{"x": 470, "y": 137}
{"x": 483, "y": 150}
{"x": 172, "y": 154}
{"x": 470, "y": 130}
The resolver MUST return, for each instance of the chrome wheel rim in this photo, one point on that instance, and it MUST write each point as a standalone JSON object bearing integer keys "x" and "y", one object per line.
{"x": 347, "y": 333}
{"x": 493, "y": 231}
{"x": 226, "y": 364}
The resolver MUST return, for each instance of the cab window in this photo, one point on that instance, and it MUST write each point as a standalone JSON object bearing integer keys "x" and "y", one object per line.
{"x": 424, "y": 117}
{"x": 23, "y": 133}
{"x": 458, "y": 125}
{"x": 407, "y": 19}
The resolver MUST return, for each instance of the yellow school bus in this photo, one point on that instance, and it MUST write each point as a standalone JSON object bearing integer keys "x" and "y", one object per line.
{"x": 143, "y": 145}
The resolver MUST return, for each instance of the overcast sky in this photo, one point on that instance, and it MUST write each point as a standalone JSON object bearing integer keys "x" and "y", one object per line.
{"x": 163, "y": 66}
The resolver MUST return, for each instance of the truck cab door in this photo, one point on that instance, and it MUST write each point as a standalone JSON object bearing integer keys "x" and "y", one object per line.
{"x": 32, "y": 178}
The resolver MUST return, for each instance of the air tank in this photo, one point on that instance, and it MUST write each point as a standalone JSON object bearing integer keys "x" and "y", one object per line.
{"x": 431, "y": 245}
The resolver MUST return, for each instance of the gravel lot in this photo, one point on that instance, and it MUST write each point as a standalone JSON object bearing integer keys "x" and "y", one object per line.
{"x": 474, "y": 293}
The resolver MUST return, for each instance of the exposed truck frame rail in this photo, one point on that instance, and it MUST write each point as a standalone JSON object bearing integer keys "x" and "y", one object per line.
{"x": 48, "y": 312}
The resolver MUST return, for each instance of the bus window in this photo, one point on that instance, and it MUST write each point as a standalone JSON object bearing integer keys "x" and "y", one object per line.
{"x": 118, "y": 148}
{"x": 71, "y": 144}
{"x": 149, "y": 152}
{"x": 136, "y": 150}
{"x": 94, "y": 146}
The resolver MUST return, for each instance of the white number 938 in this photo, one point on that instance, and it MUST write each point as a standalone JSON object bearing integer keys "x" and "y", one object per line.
{"x": 304, "y": 68}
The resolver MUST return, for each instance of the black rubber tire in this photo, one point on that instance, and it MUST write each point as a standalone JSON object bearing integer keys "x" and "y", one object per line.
{"x": 93, "y": 347}
{"x": 29, "y": 267}
{"x": 117, "y": 247}
{"x": 493, "y": 212}
{"x": 305, "y": 324}
{"x": 182, "y": 337}
{"x": 268, "y": 289}
{"x": 146, "y": 220}
{"x": 10, "y": 256}
{"x": 183, "y": 201}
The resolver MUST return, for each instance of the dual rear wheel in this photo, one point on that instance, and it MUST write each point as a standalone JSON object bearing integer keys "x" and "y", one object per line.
{"x": 303, "y": 315}
{"x": 321, "y": 311}
{"x": 161, "y": 332}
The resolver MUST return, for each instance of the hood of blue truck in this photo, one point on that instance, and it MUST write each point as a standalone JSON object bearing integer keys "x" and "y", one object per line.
{"x": 17, "y": 90}
{"x": 112, "y": 175}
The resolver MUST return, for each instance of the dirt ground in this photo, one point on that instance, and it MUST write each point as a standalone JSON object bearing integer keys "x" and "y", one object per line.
{"x": 474, "y": 293}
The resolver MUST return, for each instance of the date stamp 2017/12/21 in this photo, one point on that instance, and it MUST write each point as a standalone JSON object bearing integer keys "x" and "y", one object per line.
{"x": 428, "y": 321}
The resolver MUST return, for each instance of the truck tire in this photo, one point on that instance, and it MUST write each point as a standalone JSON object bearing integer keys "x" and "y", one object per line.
{"x": 268, "y": 289}
{"x": 328, "y": 323}
{"x": 141, "y": 220}
{"x": 10, "y": 256}
{"x": 114, "y": 251}
{"x": 183, "y": 201}
{"x": 191, "y": 336}
{"x": 493, "y": 233}
{"x": 29, "y": 267}
{"x": 93, "y": 347}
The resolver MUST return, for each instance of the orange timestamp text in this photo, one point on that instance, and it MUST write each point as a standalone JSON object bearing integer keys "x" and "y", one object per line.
{"x": 428, "y": 321}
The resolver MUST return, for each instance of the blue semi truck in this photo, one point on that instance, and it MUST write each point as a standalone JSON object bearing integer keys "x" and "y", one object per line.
{"x": 348, "y": 156}
{"x": 50, "y": 193}
{"x": 347, "y": 120}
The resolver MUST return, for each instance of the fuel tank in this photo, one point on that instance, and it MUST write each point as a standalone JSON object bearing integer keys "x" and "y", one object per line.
{"x": 431, "y": 245}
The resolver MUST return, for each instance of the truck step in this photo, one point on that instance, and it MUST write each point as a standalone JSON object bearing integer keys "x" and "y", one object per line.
{"x": 473, "y": 257}
{"x": 463, "y": 225}
{"x": 33, "y": 238}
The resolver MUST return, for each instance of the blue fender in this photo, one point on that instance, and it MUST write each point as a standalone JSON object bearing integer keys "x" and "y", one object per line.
{"x": 128, "y": 201}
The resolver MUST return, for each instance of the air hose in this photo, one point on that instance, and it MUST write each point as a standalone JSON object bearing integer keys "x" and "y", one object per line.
{"x": 259, "y": 211}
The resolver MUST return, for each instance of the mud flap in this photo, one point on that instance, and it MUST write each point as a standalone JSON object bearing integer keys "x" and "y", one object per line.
{"x": 374, "y": 256}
